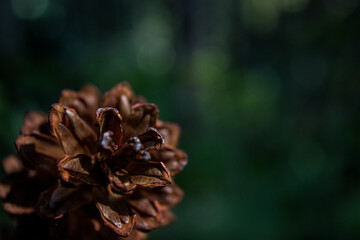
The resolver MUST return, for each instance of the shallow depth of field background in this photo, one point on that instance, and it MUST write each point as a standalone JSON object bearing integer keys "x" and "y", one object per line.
{"x": 266, "y": 93}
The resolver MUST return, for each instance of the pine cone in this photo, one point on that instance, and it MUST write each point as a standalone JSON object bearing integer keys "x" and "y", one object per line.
{"x": 94, "y": 169}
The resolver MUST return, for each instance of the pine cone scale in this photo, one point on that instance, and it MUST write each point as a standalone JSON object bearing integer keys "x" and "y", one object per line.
{"x": 106, "y": 164}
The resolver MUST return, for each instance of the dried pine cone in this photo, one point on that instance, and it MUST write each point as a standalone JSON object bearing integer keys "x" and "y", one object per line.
{"x": 94, "y": 169}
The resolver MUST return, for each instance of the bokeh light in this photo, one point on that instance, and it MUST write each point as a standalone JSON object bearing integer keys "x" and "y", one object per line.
{"x": 29, "y": 9}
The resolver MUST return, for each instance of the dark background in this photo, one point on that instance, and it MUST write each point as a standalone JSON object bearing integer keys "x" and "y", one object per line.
{"x": 266, "y": 92}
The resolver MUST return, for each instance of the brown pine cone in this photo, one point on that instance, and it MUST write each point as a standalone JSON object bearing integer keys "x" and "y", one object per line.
{"x": 94, "y": 168}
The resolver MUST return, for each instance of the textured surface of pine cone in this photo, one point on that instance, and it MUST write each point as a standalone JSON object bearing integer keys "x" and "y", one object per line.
{"x": 93, "y": 168}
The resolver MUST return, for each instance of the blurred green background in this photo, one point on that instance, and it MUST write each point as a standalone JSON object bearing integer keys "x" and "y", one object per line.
{"x": 266, "y": 93}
